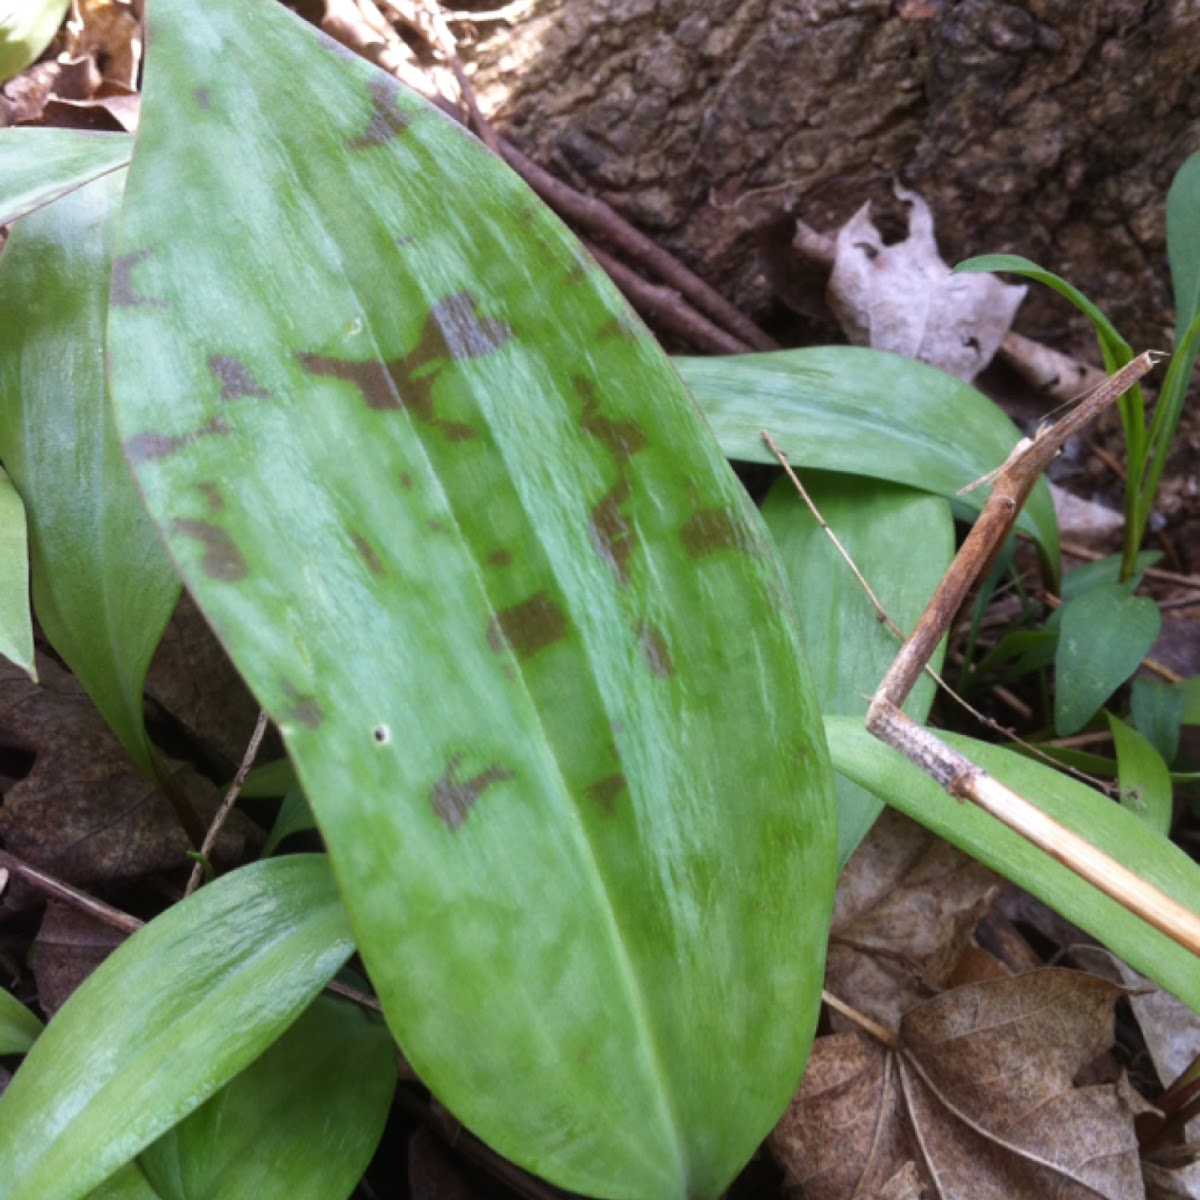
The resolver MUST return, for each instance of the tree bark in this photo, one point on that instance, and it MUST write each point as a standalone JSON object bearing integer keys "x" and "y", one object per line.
{"x": 1050, "y": 128}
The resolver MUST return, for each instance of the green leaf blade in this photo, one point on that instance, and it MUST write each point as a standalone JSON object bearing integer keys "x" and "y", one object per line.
{"x": 902, "y": 541}
{"x": 16, "y": 619}
{"x": 103, "y": 586}
{"x": 19, "y": 1028}
{"x": 543, "y": 643}
{"x": 865, "y": 412}
{"x": 39, "y": 166}
{"x": 1105, "y": 633}
{"x": 165, "y": 1021}
{"x": 1183, "y": 243}
{"x": 1143, "y": 776}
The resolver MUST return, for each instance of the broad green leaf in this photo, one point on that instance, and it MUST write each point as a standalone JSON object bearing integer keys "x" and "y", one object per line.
{"x": 1191, "y": 700}
{"x": 19, "y": 1028}
{"x": 1143, "y": 777}
{"x": 446, "y": 504}
{"x": 38, "y": 166}
{"x": 902, "y": 541}
{"x": 27, "y": 27}
{"x": 1183, "y": 243}
{"x": 269, "y": 779}
{"x": 129, "y": 1183}
{"x": 864, "y": 412}
{"x": 1158, "y": 710}
{"x": 1103, "y": 635}
{"x": 16, "y": 621}
{"x": 165, "y": 1021}
{"x": 294, "y": 816}
{"x": 103, "y": 586}
{"x": 1101, "y": 821}
{"x": 300, "y": 1123}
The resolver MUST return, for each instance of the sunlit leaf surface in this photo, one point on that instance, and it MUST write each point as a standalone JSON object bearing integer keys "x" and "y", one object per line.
{"x": 449, "y": 509}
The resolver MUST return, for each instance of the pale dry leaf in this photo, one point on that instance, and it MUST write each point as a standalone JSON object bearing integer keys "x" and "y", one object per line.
{"x": 69, "y": 946}
{"x": 1166, "y": 1183}
{"x": 902, "y": 297}
{"x": 906, "y": 907}
{"x": 978, "y": 1094}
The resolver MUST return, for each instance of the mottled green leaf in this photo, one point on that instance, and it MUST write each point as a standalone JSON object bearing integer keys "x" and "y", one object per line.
{"x": 1142, "y": 776}
{"x": 37, "y": 166}
{"x": 864, "y": 412}
{"x": 1094, "y": 817}
{"x": 19, "y": 1028}
{"x": 1106, "y": 570}
{"x": 446, "y": 504}
{"x": 27, "y": 27}
{"x": 300, "y": 1123}
{"x": 1103, "y": 635}
{"x": 902, "y": 541}
{"x": 103, "y": 586}
{"x": 16, "y": 621}
{"x": 165, "y": 1021}
{"x": 1183, "y": 243}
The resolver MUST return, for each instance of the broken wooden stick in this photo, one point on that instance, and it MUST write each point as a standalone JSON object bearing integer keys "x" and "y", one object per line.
{"x": 956, "y": 773}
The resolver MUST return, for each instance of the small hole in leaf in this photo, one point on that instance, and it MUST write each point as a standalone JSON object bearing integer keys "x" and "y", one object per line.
{"x": 382, "y": 735}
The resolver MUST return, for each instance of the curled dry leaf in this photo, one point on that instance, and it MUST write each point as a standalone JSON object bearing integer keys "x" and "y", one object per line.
{"x": 977, "y": 1096}
{"x": 906, "y": 907}
{"x": 904, "y": 298}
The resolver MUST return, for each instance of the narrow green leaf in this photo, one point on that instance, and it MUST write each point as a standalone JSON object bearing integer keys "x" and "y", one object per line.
{"x": 26, "y": 29}
{"x": 127, "y": 1184}
{"x": 19, "y": 1028}
{"x": 1116, "y": 350}
{"x": 1183, "y": 243}
{"x": 1191, "y": 700}
{"x": 447, "y": 505}
{"x": 38, "y": 166}
{"x": 16, "y": 621}
{"x": 294, "y": 816}
{"x": 902, "y": 541}
{"x": 269, "y": 779}
{"x": 1103, "y": 635}
{"x": 1101, "y": 821}
{"x": 300, "y": 1123}
{"x": 1158, "y": 709}
{"x": 171, "y": 1016}
{"x": 864, "y": 412}
{"x": 1143, "y": 777}
{"x": 103, "y": 586}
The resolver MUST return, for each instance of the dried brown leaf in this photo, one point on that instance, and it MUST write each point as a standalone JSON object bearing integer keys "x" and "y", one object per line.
{"x": 903, "y": 298}
{"x": 906, "y": 906}
{"x": 84, "y": 813}
{"x": 69, "y": 946}
{"x": 978, "y": 1096}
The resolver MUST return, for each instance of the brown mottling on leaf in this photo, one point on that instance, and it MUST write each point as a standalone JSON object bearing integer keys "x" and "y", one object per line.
{"x": 579, "y": 269}
{"x": 146, "y": 447}
{"x": 212, "y": 495}
{"x": 655, "y": 653}
{"x": 527, "y": 627}
{"x": 367, "y": 553}
{"x": 453, "y": 331}
{"x": 500, "y": 558}
{"x": 453, "y": 798}
{"x": 371, "y": 378}
{"x": 302, "y": 708}
{"x": 236, "y": 379}
{"x": 623, "y": 326}
{"x": 121, "y": 291}
{"x": 387, "y": 119}
{"x": 613, "y": 537}
{"x": 203, "y": 98}
{"x": 222, "y": 559}
{"x": 436, "y": 526}
{"x": 623, "y": 438}
{"x": 605, "y": 791}
{"x": 709, "y": 530}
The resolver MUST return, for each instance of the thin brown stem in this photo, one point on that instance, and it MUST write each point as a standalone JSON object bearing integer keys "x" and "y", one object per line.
{"x": 877, "y": 1031}
{"x": 226, "y": 805}
{"x": 58, "y": 889}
